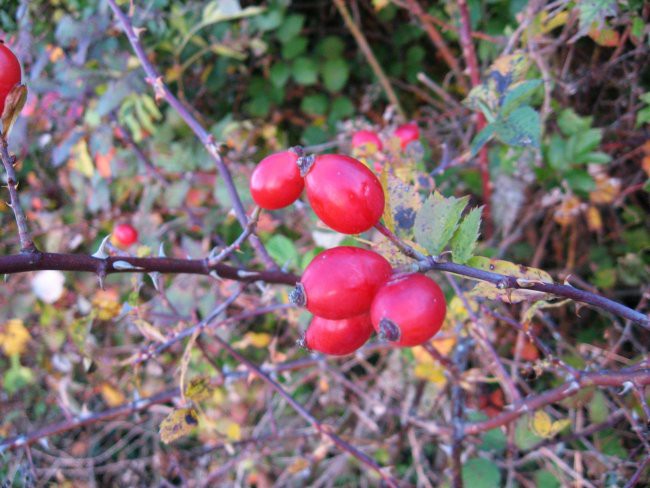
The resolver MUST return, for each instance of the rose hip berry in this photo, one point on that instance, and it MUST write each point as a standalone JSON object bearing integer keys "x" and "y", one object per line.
{"x": 407, "y": 133}
{"x": 276, "y": 182}
{"x": 338, "y": 337}
{"x": 408, "y": 310}
{"x": 341, "y": 282}
{"x": 9, "y": 73}
{"x": 344, "y": 193}
{"x": 366, "y": 137}
{"x": 124, "y": 235}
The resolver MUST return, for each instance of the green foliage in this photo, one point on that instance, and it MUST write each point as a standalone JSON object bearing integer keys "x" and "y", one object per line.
{"x": 481, "y": 473}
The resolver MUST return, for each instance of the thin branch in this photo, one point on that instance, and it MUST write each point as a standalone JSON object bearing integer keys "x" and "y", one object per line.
{"x": 300, "y": 410}
{"x": 155, "y": 79}
{"x": 21, "y": 263}
{"x": 367, "y": 52}
{"x": 26, "y": 243}
{"x": 457, "y": 408}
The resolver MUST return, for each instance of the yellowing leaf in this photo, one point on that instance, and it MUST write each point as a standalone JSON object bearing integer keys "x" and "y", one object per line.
{"x": 198, "y": 389}
{"x": 430, "y": 372}
{"x": 604, "y": 36}
{"x": 542, "y": 424}
{"x": 568, "y": 210}
{"x": 106, "y": 304}
{"x": 258, "y": 339}
{"x": 298, "y": 465}
{"x": 218, "y": 396}
{"x": 645, "y": 164}
{"x": 594, "y": 220}
{"x": 444, "y": 346}
{"x": 111, "y": 395}
{"x": 14, "y": 337}
{"x": 81, "y": 160}
{"x": 148, "y": 331}
{"x": 55, "y": 53}
{"x": 607, "y": 189}
{"x": 179, "y": 423}
{"x": 233, "y": 432}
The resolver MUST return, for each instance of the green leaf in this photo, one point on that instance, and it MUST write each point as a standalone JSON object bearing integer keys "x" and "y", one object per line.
{"x": 314, "y": 104}
{"x": 546, "y": 479}
{"x": 571, "y": 123}
{"x": 290, "y": 28}
{"x": 556, "y": 153}
{"x": 482, "y": 138}
{"x": 464, "y": 241}
{"x": 481, "y": 473}
{"x": 598, "y": 411}
{"x": 305, "y": 71}
{"x": 280, "y": 73}
{"x": 330, "y": 47}
{"x": 295, "y": 48}
{"x": 341, "y": 107}
{"x": 335, "y": 74}
{"x": 283, "y": 250}
{"x": 522, "y": 128}
{"x": 518, "y": 94}
{"x": 437, "y": 220}
{"x": 596, "y": 157}
{"x": 590, "y": 11}
{"x": 587, "y": 141}
{"x": 525, "y": 438}
{"x": 580, "y": 180}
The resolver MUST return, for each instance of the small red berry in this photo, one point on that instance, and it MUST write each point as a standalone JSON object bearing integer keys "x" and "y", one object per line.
{"x": 408, "y": 310}
{"x": 407, "y": 133}
{"x": 341, "y": 282}
{"x": 338, "y": 337}
{"x": 9, "y": 73}
{"x": 276, "y": 181}
{"x": 124, "y": 235}
{"x": 344, "y": 193}
{"x": 366, "y": 137}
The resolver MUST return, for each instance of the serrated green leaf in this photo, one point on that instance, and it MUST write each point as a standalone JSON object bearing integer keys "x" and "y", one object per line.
{"x": 522, "y": 128}
{"x": 464, "y": 241}
{"x": 295, "y": 48}
{"x": 279, "y": 73}
{"x": 283, "y": 250}
{"x": 518, "y": 94}
{"x": 437, "y": 220}
{"x": 305, "y": 71}
{"x": 482, "y": 138}
{"x": 571, "y": 123}
{"x": 590, "y": 11}
{"x": 290, "y": 28}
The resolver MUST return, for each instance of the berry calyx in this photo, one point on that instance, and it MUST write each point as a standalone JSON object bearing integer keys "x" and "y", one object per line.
{"x": 344, "y": 193}
{"x": 337, "y": 337}
{"x": 10, "y": 74}
{"x": 276, "y": 182}
{"x": 364, "y": 138}
{"x": 341, "y": 282}
{"x": 407, "y": 134}
{"x": 408, "y": 310}
{"x": 124, "y": 235}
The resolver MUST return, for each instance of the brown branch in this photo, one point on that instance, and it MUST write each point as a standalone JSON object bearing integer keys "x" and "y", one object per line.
{"x": 26, "y": 243}
{"x": 155, "y": 79}
{"x": 300, "y": 410}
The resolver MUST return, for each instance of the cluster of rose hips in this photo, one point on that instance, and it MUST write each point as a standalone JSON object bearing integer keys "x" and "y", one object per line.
{"x": 9, "y": 73}
{"x": 349, "y": 290}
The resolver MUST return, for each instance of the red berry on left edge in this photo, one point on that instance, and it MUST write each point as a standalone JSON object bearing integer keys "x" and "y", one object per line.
{"x": 344, "y": 193}
{"x": 124, "y": 235}
{"x": 276, "y": 182}
{"x": 408, "y": 310}
{"x": 407, "y": 134}
{"x": 9, "y": 73}
{"x": 365, "y": 137}
{"x": 338, "y": 337}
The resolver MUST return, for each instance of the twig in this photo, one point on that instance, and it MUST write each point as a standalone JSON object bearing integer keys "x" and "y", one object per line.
{"x": 248, "y": 231}
{"x": 436, "y": 38}
{"x": 639, "y": 472}
{"x": 300, "y": 410}
{"x": 155, "y": 79}
{"x": 372, "y": 60}
{"x": 20, "y": 263}
{"x": 469, "y": 54}
{"x": 457, "y": 408}
{"x": 26, "y": 243}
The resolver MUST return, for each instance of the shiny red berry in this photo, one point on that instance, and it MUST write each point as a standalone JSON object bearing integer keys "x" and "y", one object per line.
{"x": 407, "y": 133}
{"x": 276, "y": 181}
{"x": 341, "y": 282}
{"x": 344, "y": 193}
{"x": 338, "y": 337}
{"x": 408, "y": 310}
{"x": 9, "y": 73}
{"x": 124, "y": 235}
{"x": 366, "y": 137}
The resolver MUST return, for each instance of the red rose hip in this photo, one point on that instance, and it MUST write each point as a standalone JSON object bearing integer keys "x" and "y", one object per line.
{"x": 341, "y": 282}
{"x": 276, "y": 182}
{"x": 344, "y": 193}
{"x": 338, "y": 337}
{"x": 408, "y": 310}
{"x": 9, "y": 73}
{"x": 366, "y": 137}
{"x": 124, "y": 235}
{"x": 407, "y": 133}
